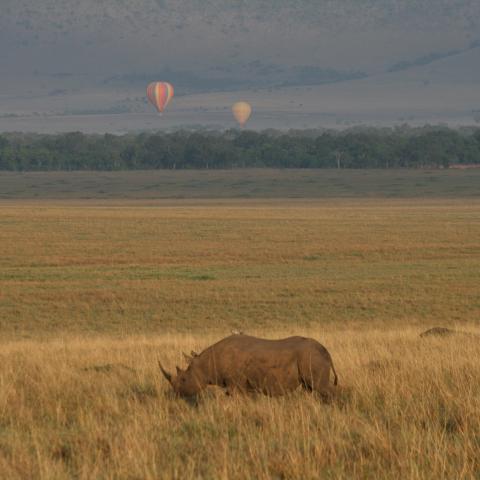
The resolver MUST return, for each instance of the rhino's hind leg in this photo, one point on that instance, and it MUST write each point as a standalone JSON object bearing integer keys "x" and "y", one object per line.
{"x": 326, "y": 392}
{"x": 315, "y": 378}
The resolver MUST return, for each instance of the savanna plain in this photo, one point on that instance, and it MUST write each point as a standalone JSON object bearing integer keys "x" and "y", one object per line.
{"x": 93, "y": 293}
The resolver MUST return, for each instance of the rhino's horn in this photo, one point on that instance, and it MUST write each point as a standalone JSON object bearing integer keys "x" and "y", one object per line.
{"x": 165, "y": 373}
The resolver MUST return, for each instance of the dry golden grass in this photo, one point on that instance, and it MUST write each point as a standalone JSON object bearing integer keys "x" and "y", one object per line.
{"x": 92, "y": 294}
{"x": 100, "y": 409}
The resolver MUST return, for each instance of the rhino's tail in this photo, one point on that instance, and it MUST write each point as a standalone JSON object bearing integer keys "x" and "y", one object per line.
{"x": 335, "y": 376}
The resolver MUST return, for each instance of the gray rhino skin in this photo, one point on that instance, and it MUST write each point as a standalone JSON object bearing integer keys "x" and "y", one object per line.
{"x": 244, "y": 364}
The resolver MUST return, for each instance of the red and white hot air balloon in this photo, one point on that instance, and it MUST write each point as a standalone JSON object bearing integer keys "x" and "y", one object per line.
{"x": 160, "y": 94}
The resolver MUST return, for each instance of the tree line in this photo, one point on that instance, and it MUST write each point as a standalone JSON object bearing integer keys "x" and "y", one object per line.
{"x": 362, "y": 148}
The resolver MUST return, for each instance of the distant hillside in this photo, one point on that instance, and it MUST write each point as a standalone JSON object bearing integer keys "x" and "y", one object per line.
{"x": 83, "y": 64}
{"x": 217, "y": 44}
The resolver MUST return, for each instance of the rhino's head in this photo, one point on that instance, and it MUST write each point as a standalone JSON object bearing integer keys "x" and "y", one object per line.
{"x": 186, "y": 383}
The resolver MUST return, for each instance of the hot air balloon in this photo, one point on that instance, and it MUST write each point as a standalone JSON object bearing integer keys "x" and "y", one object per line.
{"x": 242, "y": 111}
{"x": 160, "y": 94}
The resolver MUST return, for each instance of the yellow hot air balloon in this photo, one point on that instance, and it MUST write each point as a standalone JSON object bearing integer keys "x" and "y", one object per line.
{"x": 160, "y": 94}
{"x": 242, "y": 111}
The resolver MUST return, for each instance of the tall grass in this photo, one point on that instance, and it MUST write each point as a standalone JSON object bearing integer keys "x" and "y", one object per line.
{"x": 91, "y": 295}
{"x": 75, "y": 408}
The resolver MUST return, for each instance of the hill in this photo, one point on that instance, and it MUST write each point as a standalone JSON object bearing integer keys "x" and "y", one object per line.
{"x": 217, "y": 42}
{"x": 61, "y": 57}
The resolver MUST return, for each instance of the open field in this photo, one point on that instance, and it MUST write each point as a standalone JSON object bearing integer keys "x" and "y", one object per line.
{"x": 244, "y": 183}
{"x": 154, "y": 267}
{"x": 99, "y": 409}
{"x": 92, "y": 293}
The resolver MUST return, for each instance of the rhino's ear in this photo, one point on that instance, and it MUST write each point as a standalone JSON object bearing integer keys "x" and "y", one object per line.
{"x": 179, "y": 370}
{"x": 165, "y": 373}
{"x": 188, "y": 358}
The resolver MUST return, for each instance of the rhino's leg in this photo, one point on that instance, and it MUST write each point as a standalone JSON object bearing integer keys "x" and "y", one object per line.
{"x": 314, "y": 372}
{"x": 232, "y": 390}
{"x": 235, "y": 388}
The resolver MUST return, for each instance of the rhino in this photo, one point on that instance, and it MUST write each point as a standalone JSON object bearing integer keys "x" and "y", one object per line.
{"x": 437, "y": 331}
{"x": 446, "y": 332}
{"x": 245, "y": 364}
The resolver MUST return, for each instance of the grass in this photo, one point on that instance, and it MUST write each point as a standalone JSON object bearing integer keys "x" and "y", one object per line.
{"x": 408, "y": 409}
{"x": 92, "y": 294}
{"x": 245, "y": 183}
{"x": 152, "y": 268}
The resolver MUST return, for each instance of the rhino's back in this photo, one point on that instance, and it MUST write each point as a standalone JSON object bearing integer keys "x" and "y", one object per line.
{"x": 252, "y": 343}
{"x": 239, "y": 349}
